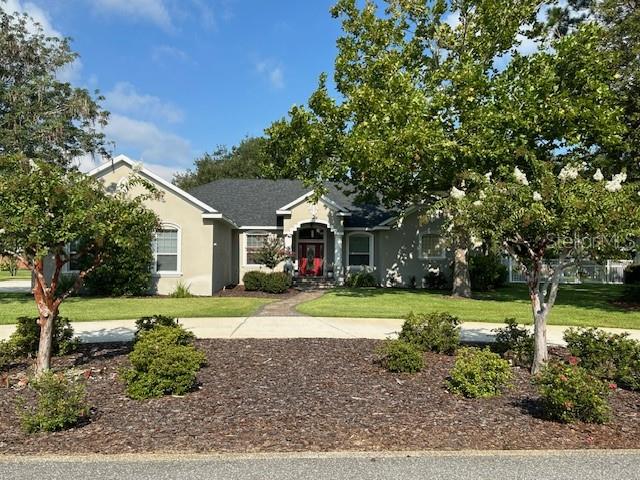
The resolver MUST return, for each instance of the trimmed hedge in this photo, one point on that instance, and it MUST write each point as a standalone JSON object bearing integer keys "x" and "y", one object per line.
{"x": 274, "y": 282}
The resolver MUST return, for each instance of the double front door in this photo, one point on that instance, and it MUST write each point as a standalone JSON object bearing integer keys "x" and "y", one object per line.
{"x": 310, "y": 259}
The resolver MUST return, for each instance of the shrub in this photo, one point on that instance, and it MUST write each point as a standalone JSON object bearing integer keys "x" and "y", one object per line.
{"x": 479, "y": 373}
{"x": 7, "y": 353}
{"x": 486, "y": 272}
{"x": 276, "y": 282}
{"x": 435, "y": 280}
{"x": 65, "y": 283}
{"x": 361, "y": 279}
{"x": 569, "y": 393}
{"x": 402, "y": 357}
{"x": 25, "y": 339}
{"x": 514, "y": 343}
{"x": 182, "y": 291}
{"x": 60, "y": 403}
{"x": 632, "y": 275}
{"x": 437, "y": 332}
{"x": 606, "y": 355}
{"x": 164, "y": 362}
{"x": 144, "y": 324}
{"x": 254, "y": 280}
{"x": 9, "y": 264}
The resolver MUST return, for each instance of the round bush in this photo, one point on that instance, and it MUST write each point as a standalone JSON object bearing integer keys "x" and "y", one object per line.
{"x": 164, "y": 362}
{"x": 479, "y": 373}
{"x": 276, "y": 282}
{"x": 514, "y": 343}
{"x": 362, "y": 279}
{"x": 254, "y": 280}
{"x": 60, "y": 403}
{"x": 486, "y": 272}
{"x": 144, "y": 324}
{"x": 569, "y": 393}
{"x": 24, "y": 341}
{"x": 437, "y": 332}
{"x": 402, "y": 357}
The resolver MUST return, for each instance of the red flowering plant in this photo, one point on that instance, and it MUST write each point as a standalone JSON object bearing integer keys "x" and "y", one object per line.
{"x": 569, "y": 393}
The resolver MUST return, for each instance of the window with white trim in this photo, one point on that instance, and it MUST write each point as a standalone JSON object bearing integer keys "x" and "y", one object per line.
{"x": 432, "y": 245}
{"x": 254, "y": 241}
{"x": 166, "y": 249}
{"x": 74, "y": 259}
{"x": 360, "y": 249}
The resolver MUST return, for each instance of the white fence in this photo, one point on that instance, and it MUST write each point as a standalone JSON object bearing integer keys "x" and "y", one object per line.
{"x": 612, "y": 271}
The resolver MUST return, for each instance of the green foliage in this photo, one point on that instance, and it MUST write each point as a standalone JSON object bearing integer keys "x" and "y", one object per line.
{"x": 242, "y": 161}
{"x": 402, "y": 357}
{"x": 145, "y": 324}
{"x": 570, "y": 393}
{"x": 361, "y": 279}
{"x": 9, "y": 264}
{"x": 25, "y": 339}
{"x": 182, "y": 291}
{"x": 254, "y": 280}
{"x": 632, "y": 275}
{"x": 437, "y": 332}
{"x": 514, "y": 343}
{"x": 479, "y": 373}
{"x": 164, "y": 362}
{"x": 486, "y": 272}
{"x": 276, "y": 282}
{"x": 43, "y": 118}
{"x": 61, "y": 403}
{"x": 273, "y": 282}
{"x": 606, "y": 355}
{"x": 272, "y": 252}
{"x": 435, "y": 280}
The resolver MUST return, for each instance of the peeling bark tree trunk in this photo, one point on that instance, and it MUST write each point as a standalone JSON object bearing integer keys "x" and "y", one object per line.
{"x": 43, "y": 359}
{"x": 461, "y": 280}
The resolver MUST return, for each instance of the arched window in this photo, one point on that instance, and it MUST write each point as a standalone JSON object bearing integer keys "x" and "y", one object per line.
{"x": 166, "y": 249}
{"x": 360, "y": 249}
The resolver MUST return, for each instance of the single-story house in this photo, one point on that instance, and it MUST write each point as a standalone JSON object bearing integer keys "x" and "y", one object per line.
{"x": 209, "y": 236}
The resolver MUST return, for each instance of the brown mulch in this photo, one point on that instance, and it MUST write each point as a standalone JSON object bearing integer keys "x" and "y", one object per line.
{"x": 239, "y": 291}
{"x": 309, "y": 394}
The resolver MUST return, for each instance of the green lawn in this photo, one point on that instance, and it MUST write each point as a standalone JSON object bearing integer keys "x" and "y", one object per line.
{"x": 14, "y": 305}
{"x": 580, "y": 305}
{"x": 21, "y": 275}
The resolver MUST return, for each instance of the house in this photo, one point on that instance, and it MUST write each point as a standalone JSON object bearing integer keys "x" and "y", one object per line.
{"x": 210, "y": 235}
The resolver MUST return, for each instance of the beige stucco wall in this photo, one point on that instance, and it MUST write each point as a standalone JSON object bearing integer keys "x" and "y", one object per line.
{"x": 222, "y": 256}
{"x": 397, "y": 251}
{"x": 196, "y": 236}
{"x": 307, "y": 212}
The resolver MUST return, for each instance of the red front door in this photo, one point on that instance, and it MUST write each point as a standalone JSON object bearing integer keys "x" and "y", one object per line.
{"x": 310, "y": 259}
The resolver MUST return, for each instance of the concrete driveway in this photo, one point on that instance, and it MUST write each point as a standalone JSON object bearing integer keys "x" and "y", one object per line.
{"x": 533, "y": 465}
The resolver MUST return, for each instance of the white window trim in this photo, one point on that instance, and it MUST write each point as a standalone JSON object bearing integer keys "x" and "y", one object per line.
{"x": 66, "y": 268}
{"x": 244, "y": 247}
{"x": 371, "y": 247}
{"x": 169, "y": 273}
{"x": 426, "y": 257}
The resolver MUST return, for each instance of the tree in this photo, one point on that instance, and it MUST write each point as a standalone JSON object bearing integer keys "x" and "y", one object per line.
{"x": 43, "y": 209}
{"x": 272, "y": 252}
{"x": 571, "y": 214}
{"x": 42, "y": 117}
{"x": 416, "y": 86}
{"x": 245, "y": 160}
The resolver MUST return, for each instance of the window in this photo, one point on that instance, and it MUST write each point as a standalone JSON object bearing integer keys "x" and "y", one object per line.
{"x": 432, "y": 246}
{"x": 166, "y": 250}
{"x": 360, "y": 248}
{"x": 253, "y": 243}
{"x": 75, "y": 263}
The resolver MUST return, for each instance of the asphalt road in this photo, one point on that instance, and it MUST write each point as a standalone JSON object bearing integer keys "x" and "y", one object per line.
{"x": 585, "y": 465}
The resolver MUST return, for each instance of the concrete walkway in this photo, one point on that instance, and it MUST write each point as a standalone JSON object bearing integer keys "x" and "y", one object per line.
{"x": 290, "y": 327}
{"x": 15, "y": 286}
{"x": 287, "y": 307}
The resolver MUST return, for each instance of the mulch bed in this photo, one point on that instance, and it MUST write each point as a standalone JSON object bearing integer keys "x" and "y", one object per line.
{"x": 312, "y": 395}
{"x": 239, "y": 291}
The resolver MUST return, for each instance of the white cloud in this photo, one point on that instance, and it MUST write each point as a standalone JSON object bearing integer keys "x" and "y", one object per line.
{"x": 155, "y": 145}
{"x": 453, "y": 19}
{"x": 124, "y": 98}
{"x": 154, "y": 11}
{"x": 71, "y": 72}
{"x": 35, "y": 12}
{"x": 272, "y": 71}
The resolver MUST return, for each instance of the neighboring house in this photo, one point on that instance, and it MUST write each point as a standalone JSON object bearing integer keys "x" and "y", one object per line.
{"x": 210, "y": 235}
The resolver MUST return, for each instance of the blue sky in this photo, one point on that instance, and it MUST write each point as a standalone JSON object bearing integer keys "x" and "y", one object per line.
{"x": 183, "y": 76}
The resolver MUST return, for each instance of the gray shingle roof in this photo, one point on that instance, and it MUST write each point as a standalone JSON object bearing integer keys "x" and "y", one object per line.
{"x": 253, "y": 202}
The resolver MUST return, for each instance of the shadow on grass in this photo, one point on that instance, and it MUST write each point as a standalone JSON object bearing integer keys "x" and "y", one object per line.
{"x": 586, "y": 296}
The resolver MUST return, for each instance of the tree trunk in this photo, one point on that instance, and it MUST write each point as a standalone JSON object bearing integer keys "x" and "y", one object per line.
{"x": 461, "y": 280}
{"x": 539, "y": 310}
{"x": 43, "y": 358}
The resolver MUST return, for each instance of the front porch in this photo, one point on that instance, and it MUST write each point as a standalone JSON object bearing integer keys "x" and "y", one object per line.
{"x": 317, "y": 254}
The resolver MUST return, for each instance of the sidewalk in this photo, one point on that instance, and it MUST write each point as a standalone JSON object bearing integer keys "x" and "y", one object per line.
{"x": 290, "y": 327}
